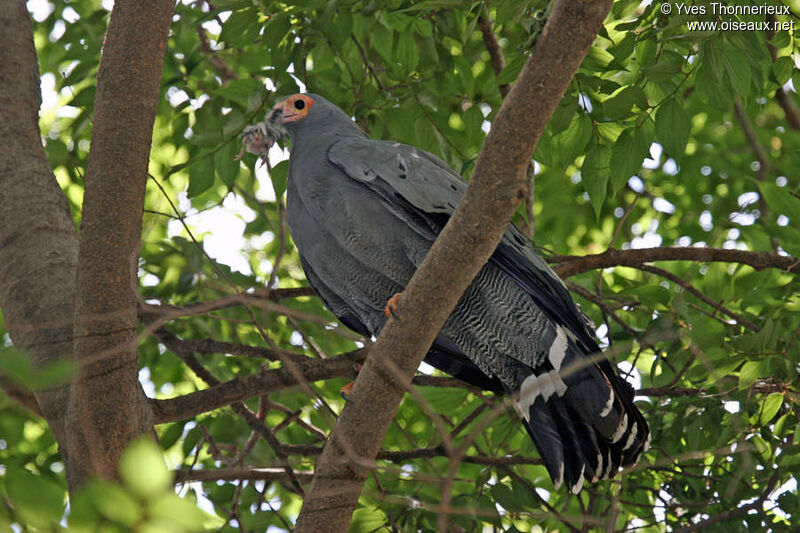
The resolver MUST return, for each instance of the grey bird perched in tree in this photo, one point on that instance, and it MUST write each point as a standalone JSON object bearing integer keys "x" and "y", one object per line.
{"x": 364, "y": 213}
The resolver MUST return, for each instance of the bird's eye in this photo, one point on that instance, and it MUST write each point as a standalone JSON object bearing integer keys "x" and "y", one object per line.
{"x": 299, "y": 104}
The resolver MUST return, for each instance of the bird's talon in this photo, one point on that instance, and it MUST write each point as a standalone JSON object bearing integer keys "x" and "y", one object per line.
{"x": 346, "y": 390}
{"x": 392, "y": 306}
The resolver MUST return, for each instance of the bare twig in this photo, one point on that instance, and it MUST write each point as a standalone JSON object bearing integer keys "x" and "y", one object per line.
{"x": 225, "y": 72}
{"x": 752, "y": 139}
{"x": 691, "y": 289}
{"x": 239, "y": 473}
{"x": 734, "y": 513}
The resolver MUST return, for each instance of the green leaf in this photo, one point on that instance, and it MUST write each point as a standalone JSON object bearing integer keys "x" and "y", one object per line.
{"x": 226, "y": 164}
{"x": 170, "y": 434}
{"x": 594, "y": 177}
{"x": 179, "y": 513}
{"x": 672, "y": 127}
{"x": 706, "y": 82}
{"x": 280, "y": 177}
{"x": 275, "y": 31}
{"x": 367, "y": 519}
{"x": 669, "y": 65}
{"x": 201, "y": 176}
{"x": 443, "y": 400}
{"x": 240, "y": 27}
{"x": 626, "y": 157}
{"x": 780, "y": 200}
{"x": 430, "y": 5}
{"x": 770, "y": 407}
{"x": 738, "y": 68}
{"x": 512, "y": 70}
{"x": 570, "y": 143}
{"x": 383, "y": 41}
{"x": 113, "y": 502}
{"x": 751, "y": 371}
{"x": 407, "y": 51}
{"x": 621, "y": 104}
{"x": 563, "y": 114}
{"x": 143, "y": 470}
{"x": 40, "y": 501}
{"x": 782, "y": 69}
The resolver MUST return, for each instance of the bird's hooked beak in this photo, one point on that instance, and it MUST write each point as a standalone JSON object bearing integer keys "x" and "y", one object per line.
{"x": 285, "y": 113}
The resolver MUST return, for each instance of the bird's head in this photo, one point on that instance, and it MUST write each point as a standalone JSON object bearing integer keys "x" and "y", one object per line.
{"x": 307, "y": 112}
{"x": 294, "y": 108}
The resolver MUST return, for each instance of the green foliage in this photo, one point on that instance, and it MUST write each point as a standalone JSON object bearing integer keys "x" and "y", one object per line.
{"x": 144, "y": 501}
{"x": 722, "y": 400}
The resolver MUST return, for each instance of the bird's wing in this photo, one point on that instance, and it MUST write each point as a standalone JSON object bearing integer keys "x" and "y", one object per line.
{"x": 422, "y": 179}
{"x": 425, "y": 192}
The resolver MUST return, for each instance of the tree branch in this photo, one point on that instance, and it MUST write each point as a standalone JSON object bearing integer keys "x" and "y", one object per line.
{"x": 498, "y": 186}
{"x": 239, "y": 473}
{"x": 493, "y": 47}
{"x": 266, "y": 381}
{"x": 21, "y": 395}
{"x": 691, "y": 289}
{"x": 109, "y": 405}
{"x": 207, "y": 346}
{"x": 571, "y": 265}
{"x": 734, "y": 513}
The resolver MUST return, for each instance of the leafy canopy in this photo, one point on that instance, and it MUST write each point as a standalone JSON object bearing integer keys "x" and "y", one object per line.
{"x": 666, "y": 137}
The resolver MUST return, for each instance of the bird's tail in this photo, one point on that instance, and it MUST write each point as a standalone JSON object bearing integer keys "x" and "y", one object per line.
{"x": 582, "y": 418}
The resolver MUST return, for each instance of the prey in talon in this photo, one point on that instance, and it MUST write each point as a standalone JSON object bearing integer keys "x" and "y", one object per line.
{"x": 259, "y": 138}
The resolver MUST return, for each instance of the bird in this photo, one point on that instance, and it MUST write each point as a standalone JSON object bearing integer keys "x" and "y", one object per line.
{"x": 363, "y": 214}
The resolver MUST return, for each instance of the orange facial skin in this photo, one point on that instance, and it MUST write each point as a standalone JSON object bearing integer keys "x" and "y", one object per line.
{"x": 294, "y": 108}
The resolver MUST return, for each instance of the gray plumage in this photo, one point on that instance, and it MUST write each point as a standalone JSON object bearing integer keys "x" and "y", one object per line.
{"x": 364, "y": 213}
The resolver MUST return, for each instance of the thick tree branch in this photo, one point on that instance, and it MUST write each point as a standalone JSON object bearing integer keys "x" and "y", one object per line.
{"x": 108, "y": 403}
{"x": 498, "y": 186}
{"x": 38, "y": 241}
{"x": 571, "y": 265}
{"x": 240, "y": 389}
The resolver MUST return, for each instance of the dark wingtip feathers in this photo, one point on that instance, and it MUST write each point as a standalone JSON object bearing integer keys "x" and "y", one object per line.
{"x": 584, "y": 423}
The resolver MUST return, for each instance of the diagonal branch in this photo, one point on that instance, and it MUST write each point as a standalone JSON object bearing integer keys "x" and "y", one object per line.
{"x": 498, "y": 186}
{"x": 698, "y": 294}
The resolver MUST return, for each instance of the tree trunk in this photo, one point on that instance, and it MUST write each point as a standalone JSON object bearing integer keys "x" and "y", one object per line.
{"x": 108, "y": 403}
{"x": 38, "y": 241}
